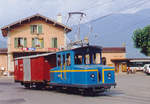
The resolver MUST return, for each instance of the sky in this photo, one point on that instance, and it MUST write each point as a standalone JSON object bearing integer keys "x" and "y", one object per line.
{"x": 13, "y": 10}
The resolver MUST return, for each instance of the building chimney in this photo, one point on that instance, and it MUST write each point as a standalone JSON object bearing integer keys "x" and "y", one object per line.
{"x": 123, "y": 44}
{"x": 59, "y": 18}
{"x": 86, "y": 39}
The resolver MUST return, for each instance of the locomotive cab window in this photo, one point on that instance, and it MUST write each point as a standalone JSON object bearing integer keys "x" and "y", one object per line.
{"x": 92, "y": 58}
{"x": 104, "y": 60}
{"x": 64, "y": 60}
{"x": 87, "y": 59}
{"x": 88, "y": 55}
{"x": 58, "y": 60}
{"x": 68, "y": 60}
{"x": 78, "y": 59}
{"x": 96, "y": 58}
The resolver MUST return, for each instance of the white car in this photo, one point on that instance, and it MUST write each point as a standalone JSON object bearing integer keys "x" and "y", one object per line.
{"x": 147, "y": 68}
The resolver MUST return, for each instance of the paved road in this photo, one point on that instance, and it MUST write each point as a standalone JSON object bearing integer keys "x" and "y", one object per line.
{"x": 131, "y": 89}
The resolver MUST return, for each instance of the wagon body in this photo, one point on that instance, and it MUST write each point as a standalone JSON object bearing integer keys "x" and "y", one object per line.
{"x": 34, "y": 70}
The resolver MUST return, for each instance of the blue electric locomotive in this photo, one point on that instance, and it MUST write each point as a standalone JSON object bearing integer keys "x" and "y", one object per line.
{"x": 82, "y": 68}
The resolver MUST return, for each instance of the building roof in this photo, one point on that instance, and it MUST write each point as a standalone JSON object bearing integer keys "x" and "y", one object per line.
{"x": 28, "y": 19}
{"x": 139, "y": 59}
{"x": 131, "y": 60}
{"x": 114, "y": 50}
{"x": 3, "y": 50}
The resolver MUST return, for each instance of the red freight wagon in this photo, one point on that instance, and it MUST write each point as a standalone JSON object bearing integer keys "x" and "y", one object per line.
{"x": 18, "y": 70}
{"x": 33, "y": 71}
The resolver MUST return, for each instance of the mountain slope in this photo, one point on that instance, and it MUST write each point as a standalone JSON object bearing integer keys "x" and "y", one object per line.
{"x": 116, "y": 29}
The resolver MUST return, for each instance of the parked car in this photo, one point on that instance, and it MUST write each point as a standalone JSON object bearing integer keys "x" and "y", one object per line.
{"x": 147, "y": 68}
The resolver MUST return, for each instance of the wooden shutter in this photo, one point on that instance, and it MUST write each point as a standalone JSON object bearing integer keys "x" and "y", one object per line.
{"x": 39, "y": 29}
{"x": 42, "y": 43}
{"x": 33, "y": 43}
{"x": 55, "y": 42}
{"x": 31, "y": 29}
{"x": 25, "y": 42}
{"x": 52, "y": 42}
{"x": 16, "y": 42}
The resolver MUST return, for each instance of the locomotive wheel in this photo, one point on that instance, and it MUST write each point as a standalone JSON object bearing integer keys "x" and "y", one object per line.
{"x": 72, "y": 90}
{"x": 87, "y": 92}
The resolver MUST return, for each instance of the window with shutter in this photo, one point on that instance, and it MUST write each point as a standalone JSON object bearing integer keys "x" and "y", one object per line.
{"x": 36, "y": 41}
{"x": 39, "y": 29}
{"x": 42, "y": 43}
{"x": 21, "y": 40}
{"x": 31, "y": 29}
{"x": 33, "y": 43}
{"x": 20, "y": 43}
{"x": 16, "y": 42}
{"x": 54, "y": 42}
{"x": 25, "y": 42}
{"x": 36, "y": 29}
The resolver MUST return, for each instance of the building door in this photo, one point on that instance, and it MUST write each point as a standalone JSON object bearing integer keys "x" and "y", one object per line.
{"x": 63, "y": 68}
{"x": 117, "y": 67}
{"x": 120, "y": 67}
{"x": 124, "y": 67}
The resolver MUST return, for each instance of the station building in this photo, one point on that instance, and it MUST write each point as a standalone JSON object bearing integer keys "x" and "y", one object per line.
{"x": 110, "y": 53}
{"x": 121, "y": 65}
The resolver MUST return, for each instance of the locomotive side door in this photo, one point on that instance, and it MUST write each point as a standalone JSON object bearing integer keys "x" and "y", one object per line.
{"x": 66, "y": 67}
{"x": 68, "y": 73}
{"x": 63, "y": 68}
{"x": 59, "y": 68}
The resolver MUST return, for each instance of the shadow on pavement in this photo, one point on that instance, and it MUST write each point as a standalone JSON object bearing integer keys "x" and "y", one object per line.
{"x": 12, "y": 101}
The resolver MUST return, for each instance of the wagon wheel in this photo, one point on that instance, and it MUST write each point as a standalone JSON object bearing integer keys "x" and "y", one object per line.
{"x": 27, "y": 85}
{"x": 39, "y": 86}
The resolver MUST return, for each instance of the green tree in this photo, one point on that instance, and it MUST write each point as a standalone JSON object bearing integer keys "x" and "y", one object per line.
{"x": 141, "y": 39}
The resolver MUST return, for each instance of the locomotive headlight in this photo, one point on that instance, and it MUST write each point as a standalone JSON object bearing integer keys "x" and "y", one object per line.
{"x": 92, "y": 75}
{"x": 109, "y": 75}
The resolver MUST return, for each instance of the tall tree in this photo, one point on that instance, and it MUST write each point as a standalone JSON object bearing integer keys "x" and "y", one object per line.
{"x": 141, "y": 39}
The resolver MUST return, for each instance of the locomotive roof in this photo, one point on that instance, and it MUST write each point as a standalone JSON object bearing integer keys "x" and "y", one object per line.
{"x": 75, "y": 49}
{"x": 91, "y": 47}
